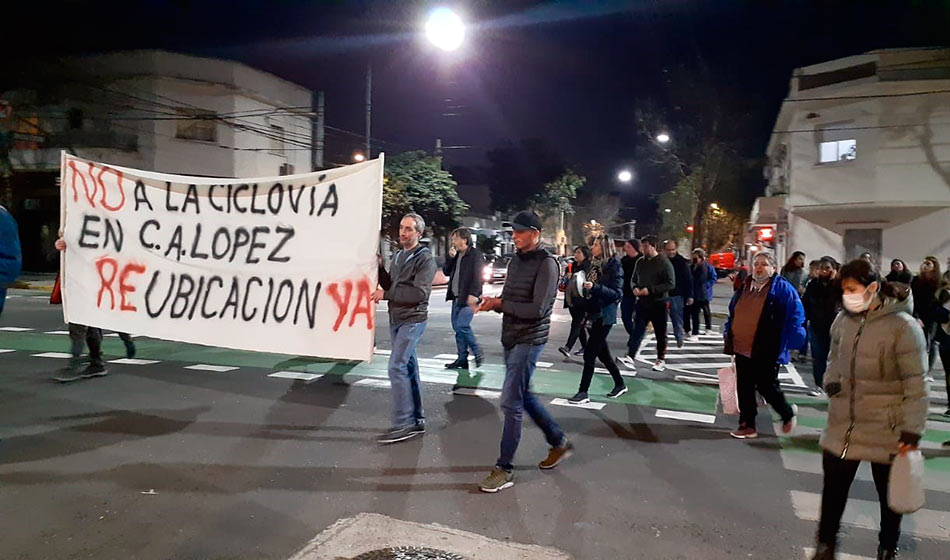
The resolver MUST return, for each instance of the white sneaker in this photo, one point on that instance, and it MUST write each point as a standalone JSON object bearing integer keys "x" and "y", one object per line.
{"x": 789, "y": 427}
{"x": 816, "y": 393}
{"x": 627, "y": 362}
{"x": 693, "y": 338}
{"x": 660, "y": 365}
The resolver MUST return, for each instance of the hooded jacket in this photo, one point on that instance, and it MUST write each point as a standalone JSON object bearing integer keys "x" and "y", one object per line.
{"x": 408, "y": 284}
{"x": 875, "y": 382}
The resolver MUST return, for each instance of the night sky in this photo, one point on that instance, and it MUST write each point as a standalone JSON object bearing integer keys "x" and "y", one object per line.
{"x": 569, "y": 72}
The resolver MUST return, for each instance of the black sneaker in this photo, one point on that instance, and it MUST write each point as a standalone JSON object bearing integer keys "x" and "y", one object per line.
{"x": 565, "y": 350}
{"x": 824, "y": 552}
{"x": 580, "y": 398}
{"x": 616, "y": 392}
{"x": 579, "y": 352}
{"x": 400, "y": 434}
{"x": 479, "y": 360}
{"x": 886, "y": 553}
{"x": 457, "y": 364}
{"x": 95, "y": 369}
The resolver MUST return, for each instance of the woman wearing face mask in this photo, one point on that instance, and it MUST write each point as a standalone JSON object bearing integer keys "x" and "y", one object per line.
{"x": 877, "y": 404}
{"x": 605, "y": 288}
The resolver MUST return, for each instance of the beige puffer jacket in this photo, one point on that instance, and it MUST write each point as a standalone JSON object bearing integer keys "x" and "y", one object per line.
{"x": 879, "y": 359}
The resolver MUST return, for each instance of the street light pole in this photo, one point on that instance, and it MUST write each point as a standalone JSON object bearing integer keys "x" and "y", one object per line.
{"x": 369, "y": 107}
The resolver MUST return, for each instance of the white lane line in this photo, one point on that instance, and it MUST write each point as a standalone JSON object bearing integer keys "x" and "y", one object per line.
{"x": 57, "y": 332}
{"x": 15, "y": 329}
{"x": 483, "y": 393}
{"x": 39, "y": 297}
{"x": 430, "y": 362}
{"x": 688, "y": 416}
{"x": 544, "y": 364}
{"x": 59, "y": 355}
{"x": 794, "y": 375}
{"x": 673, "y": 356}
{"x": 116, "y": 335}
{"x": 440, "y": 377}
{"x": 699, "y": 380}
{"x": 810, "y": 552}
{"x": 373, "y": 382}
{"x": 699, "y": 365}
{"x": 13, "y": 296}
{"x": 925, "y": 523}
{"x": 450, "y": 357}
{"x": 382, "y": 352}
{"x": 5, "y": 350}
{"x": 134, "y": 362}
{"x": 601, "y": 370}
{"x": 210, "y": 367}
{"x": 589, "y": 406}
{"x": 295, "y": 375}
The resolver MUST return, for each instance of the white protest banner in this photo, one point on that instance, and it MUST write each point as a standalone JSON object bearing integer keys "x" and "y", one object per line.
{"x": 275, "y": 264}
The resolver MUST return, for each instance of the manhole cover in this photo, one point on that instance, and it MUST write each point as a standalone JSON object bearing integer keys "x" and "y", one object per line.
{"x": 408, "y": 553}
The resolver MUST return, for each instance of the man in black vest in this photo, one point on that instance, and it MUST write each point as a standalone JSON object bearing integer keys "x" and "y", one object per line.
{"x": 464, "y": 269}
{"x": 526, "y": 302}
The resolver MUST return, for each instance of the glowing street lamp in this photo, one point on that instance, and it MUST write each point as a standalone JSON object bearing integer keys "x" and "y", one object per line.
{"x": 714, "y": 206}
{"x": 358, "y": 157}
{"x": 625, "y": 176}
{"x": 667, "y": 210}
{"x": 445, "y": 29}
{"x": 663, "y": 138}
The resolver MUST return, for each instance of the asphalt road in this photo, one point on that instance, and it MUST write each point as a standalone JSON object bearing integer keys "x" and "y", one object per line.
{"x": 160, "y": 461}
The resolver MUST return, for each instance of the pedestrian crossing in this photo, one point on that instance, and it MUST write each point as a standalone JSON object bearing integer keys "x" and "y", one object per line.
{"x": 697, "y": 361}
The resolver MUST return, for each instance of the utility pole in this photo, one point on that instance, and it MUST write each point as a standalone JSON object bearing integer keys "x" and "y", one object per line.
{"x": 369, "y": 107}
{"x": 317, "y": 135}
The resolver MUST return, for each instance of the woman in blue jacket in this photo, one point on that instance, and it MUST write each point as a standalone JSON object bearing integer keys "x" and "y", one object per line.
{"x": 10, "y": 257}
{"x": 604, "y": 289}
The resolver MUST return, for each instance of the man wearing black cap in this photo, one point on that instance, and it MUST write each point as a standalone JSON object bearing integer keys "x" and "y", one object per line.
{"x": 526, "y": 302}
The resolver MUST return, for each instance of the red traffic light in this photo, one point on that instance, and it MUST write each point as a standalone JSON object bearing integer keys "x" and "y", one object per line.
{"x": 689, "y": 229}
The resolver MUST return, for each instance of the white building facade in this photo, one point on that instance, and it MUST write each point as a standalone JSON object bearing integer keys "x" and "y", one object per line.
{"x": 153, "y": 110}
{"x": 859, "y": 160}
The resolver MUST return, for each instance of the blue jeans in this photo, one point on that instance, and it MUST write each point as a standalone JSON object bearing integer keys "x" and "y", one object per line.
{"x": 464, "y": 336}
{"x": 516, "y": 398}
{"x": 676, "y": 316}
{"x": 820, "y": 346}
{"x": 404, "y": 374}
{"x": 628, "y": 308}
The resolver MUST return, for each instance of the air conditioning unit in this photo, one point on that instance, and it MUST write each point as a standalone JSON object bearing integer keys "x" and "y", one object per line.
{"x": 286, "y": 169}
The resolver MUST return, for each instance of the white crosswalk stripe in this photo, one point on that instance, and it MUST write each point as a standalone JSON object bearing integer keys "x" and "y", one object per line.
{"x": 702, "y": 359}
{"x": 925, "y": 523}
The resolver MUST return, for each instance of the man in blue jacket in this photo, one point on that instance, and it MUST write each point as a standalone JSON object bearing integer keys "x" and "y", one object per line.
{"x": 766, "y": 320}
{"x": 11, "y": 261}
{"x": 704, "y": 279}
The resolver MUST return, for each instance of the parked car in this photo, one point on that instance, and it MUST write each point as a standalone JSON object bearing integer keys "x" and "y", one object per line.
{"x": 499, "y": 270}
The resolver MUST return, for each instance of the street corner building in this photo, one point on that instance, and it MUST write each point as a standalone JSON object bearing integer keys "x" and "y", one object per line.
{"x": 859, "y": 159}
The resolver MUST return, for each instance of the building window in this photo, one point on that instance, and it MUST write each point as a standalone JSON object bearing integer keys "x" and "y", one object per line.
{"x": 197, "y": 125}
{"x": 837, "y": 150}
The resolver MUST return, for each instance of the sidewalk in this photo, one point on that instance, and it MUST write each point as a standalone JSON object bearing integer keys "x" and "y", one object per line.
{"x": 42, "y": 281}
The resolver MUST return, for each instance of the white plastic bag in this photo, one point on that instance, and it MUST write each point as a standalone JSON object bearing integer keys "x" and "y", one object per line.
{"x": 905, "y": 493}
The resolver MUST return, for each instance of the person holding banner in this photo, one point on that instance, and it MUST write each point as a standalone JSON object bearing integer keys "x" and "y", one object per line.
{"x": 406, "y": 287}
{"x": 10, "y": 258}
{"x": 526, "y": 303}
{"x": 91, "y": 337}
{"x": 464, "y": 270}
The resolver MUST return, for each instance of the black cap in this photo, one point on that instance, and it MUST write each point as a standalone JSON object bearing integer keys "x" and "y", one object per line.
{"x": 526, "y": 220}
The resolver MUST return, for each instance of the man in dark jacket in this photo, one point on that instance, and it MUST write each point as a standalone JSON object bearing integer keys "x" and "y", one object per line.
{"x": 765, "y": 321}
{"x": 526, "y": 303}
{"x": 652, "y": 282}
{"x": 704, "y": 279}
{"x": 464, "y": 270}
{"x": 406, "y": 286}
{"x": 682, "y": 293}
{"x": 629, "y": 262}
{"x": 10, "y": 258}
{"x": 822, "y": 301}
